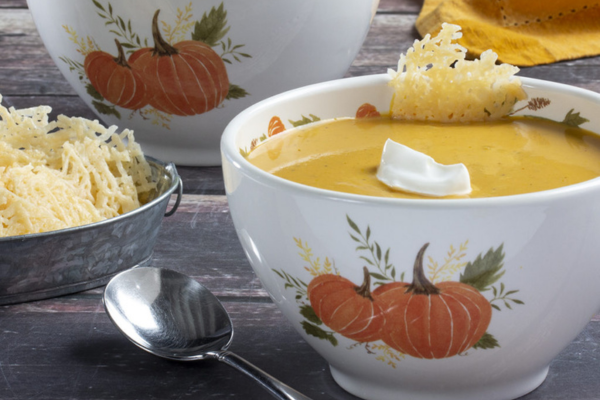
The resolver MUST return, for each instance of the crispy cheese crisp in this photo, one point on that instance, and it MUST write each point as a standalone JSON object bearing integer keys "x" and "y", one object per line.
{"x": 65, "y": 173}
{"x": 435, "y": 82}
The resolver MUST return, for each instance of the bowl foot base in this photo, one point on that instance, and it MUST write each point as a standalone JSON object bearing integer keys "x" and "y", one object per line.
{"x": 507, "y": 390}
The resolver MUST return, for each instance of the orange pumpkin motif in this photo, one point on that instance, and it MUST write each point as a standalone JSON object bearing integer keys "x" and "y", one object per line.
{"x": 115, "y": 80}
{"x": 186, "y": 78}
{"x": 275, "y": 126}
{"x": 346, "y": 308}
{"x": 367, "y": 111}
{"x": 428, "y": 321}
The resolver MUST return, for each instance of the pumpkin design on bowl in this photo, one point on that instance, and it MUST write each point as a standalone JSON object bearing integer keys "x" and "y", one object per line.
{"x": 428, "y": 321}
{"x": 393, "y": 319}
{"x": 275, "y": 127}
{"x": 115, "y": 80}
{"x": 348, "y": 309}
{"x": 188, "y": 77}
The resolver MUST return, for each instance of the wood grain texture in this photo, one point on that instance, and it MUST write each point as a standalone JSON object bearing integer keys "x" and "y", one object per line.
{"x": 40, "y": 359}
{"x": 92, "y": 360}
{"x": 199, "y": 240}
{"x": 13, "y": 4}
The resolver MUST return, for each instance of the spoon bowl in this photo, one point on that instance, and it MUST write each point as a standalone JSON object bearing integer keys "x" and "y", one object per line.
{"x": 173, "y": 316}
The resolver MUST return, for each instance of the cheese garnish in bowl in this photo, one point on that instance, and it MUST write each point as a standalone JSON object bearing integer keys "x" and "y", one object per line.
{"x": 436, "y": 83}
{"x": 65, "y": 173}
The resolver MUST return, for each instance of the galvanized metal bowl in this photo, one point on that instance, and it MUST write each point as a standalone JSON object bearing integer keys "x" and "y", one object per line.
{"x": 49, "y": 264}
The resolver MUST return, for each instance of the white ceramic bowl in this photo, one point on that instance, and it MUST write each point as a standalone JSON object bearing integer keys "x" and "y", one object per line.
{"x": 255, "y": 50}
{"x": 541, "y": 248}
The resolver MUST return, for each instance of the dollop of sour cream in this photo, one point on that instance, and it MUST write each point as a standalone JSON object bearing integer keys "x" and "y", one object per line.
{"x": 405, "y": 169}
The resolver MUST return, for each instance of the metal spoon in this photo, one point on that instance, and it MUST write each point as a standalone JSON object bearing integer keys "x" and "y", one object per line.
{"x": 171, "y": 315}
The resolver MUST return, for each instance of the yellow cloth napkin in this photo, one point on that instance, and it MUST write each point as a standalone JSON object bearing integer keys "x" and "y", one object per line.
{"x": 521, "y": 32}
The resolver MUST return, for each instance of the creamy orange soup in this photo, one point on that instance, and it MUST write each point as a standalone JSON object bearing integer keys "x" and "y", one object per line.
{"x": 511, "y": 156}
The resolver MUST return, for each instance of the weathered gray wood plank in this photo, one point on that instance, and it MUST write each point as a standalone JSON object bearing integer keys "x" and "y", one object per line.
{"x": 92, "y": 360}
{"x": 400, "y": 6}
{"x": 216, "y": 257}
{"x": 13, "y": 4}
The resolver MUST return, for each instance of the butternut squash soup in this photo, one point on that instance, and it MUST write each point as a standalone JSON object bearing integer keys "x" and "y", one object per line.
{"x": 505, "y": 157}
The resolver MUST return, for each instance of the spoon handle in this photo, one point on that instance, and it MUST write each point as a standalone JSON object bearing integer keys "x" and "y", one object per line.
{"x": 274, "y": 386}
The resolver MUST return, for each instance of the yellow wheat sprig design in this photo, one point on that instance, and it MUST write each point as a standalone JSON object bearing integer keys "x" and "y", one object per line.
{"x": 183, "y": 25}
{"x": 387, "y": 354}
{"x": 452, "y": 264}
{"x": 84, "y": 46}
{"x": 156, "y": 117}
{"x": 314, "y": 267}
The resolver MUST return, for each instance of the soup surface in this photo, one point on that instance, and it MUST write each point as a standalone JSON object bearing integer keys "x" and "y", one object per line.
{"x": 511, "y": 156}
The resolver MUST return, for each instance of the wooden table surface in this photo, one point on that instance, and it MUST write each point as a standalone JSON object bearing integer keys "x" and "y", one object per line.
{"x": 66, "y": 347}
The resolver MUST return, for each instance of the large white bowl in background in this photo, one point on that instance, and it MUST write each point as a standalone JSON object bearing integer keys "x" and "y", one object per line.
{"x": 544, "y": 244}
{"x": 269, "y": 47}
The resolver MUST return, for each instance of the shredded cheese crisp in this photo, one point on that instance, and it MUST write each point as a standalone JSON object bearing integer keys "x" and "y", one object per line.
{"x": 65, "y": 173}
{"x": 434, "y": 82}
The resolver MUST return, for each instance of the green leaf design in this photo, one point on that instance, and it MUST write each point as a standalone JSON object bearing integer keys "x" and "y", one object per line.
{"x": 375, "y": 256}
{"x": 212, "y": 27}
{"x": 278, "y": 273}
{"x": 574, "y": 119}
{"x": 106, "y": 109}
{"x": 317, "y": 332}
{"x": 379, "y": 276}
{"x": 74, "y": 66}
{"x": 487, "y": 341}
{"x": 98, "y": 5}
{"x": 236, "y": 92}
{"x": 367, "y": 260}
{"x": 245, "y": 153}
{"x": 91, "y": 90}
{"x": 309, "y": 313}
{"x": 305, "y": 120}
{"x": 484, "y": 271}
{"x": 352, "y": 225}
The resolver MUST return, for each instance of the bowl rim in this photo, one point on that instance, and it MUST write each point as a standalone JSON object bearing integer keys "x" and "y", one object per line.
{"x": 175, "y": 182}
{"x": 230, "y": 152}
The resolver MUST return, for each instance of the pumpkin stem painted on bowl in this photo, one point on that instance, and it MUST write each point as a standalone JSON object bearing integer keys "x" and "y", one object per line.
{"x": 365, "y": 289}
{"x": 121, "y": 59}
{"x": 161, "y": 47}
{"x": 420, "y": 283}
